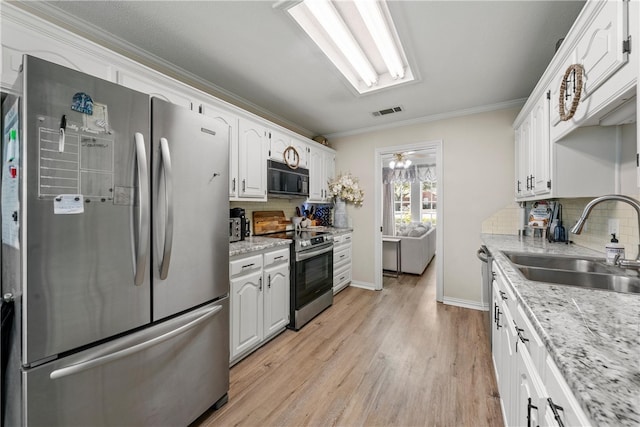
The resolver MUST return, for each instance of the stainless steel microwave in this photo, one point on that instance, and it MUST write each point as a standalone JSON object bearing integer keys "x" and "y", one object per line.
{"x": 286, "y": 182}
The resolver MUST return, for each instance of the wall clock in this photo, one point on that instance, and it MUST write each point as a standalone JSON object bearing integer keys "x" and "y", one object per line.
{"x": 570, "y": 91}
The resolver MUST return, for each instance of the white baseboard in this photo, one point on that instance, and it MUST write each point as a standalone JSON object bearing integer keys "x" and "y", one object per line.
{"x": 474, "y": 305}
{"x": 363, "y": 285}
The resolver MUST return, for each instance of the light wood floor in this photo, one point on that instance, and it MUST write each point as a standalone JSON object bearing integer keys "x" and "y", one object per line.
{"x": 388, "y": 358}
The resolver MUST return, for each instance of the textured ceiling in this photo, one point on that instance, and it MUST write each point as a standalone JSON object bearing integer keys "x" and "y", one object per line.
{"x": 467, "y": 54}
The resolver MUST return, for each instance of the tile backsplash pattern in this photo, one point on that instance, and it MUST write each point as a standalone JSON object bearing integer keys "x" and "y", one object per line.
{"x": 595, "y": 234}
{"x": 288, "y": 206}
{"x": 504, "y": 221}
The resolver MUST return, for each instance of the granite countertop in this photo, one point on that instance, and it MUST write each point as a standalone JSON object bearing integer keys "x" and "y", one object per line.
{"x": 256, "y": 243}
{"x": 592, "y": 335}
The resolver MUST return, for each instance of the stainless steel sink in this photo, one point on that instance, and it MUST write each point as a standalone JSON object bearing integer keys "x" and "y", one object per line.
{"x": 562, "y": 262}
{"x": 612, "y": 282}
{"x": 575, "y": 271}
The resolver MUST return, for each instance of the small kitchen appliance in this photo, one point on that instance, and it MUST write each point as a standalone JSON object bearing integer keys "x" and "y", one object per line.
{"x": 238, "y": 215}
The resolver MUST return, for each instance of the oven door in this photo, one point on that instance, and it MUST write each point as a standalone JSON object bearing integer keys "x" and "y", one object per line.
{"x": 313, "y": 274}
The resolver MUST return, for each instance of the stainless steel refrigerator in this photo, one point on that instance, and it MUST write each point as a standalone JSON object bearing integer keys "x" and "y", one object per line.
{"x": 115, "y": 250}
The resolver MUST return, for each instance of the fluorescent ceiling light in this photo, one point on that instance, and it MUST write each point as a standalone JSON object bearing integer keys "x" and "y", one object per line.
{"x": 359, "y": 37}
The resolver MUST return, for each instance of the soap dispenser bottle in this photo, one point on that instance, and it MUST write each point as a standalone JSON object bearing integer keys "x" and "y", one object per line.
{"x": 614, "y": 248}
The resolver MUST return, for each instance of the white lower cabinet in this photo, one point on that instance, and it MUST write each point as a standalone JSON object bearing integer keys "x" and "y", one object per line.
{"x": 341, "y": 262}
{"x": 528, "y": 379}
{"x": 259, "y": 299}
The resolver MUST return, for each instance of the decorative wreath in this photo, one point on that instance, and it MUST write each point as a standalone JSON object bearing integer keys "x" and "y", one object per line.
{"x": 291, "y": 152}
{"x": 578, "y": 70}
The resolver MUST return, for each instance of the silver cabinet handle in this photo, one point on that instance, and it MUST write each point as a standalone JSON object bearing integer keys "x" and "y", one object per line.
{"x": 103, "y": 360}
{"x": 233, "y": 185}
{"x": 143, "y": 215}
{"x": 244, "y": 186}
{"x": 168, "y": 190}
{"x": 260, "y": 283}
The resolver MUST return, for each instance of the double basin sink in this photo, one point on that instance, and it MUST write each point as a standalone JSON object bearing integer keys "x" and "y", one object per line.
{"x": 585, "y": 272}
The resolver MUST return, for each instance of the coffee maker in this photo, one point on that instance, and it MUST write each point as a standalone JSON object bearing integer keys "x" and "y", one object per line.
{"x": 238, "y": 215}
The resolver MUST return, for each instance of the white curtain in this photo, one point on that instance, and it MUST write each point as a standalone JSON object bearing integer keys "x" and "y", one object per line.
{"x": 389, "y": 177}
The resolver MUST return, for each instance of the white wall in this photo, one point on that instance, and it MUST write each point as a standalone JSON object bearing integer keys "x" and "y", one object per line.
{"x": 477, "y": 173}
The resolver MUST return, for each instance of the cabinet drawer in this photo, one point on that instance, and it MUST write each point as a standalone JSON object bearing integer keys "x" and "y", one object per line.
{"x": 505, "y": 292}
{"x": 342, "y": 275}
{"x": 534, "y": 343}
{"x": 341, "y": 256}
{"x": 246, "y": 264}
{"x": 276, "y": 257}
{"x": 561, "y": 395}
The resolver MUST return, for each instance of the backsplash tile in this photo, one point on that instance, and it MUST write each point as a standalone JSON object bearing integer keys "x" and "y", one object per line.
{"x": 288, "y": 206}
{"x": 594, "y": 236}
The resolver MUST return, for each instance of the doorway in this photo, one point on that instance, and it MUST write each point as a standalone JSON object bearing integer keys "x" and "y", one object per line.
{"x": 413, "y": 152}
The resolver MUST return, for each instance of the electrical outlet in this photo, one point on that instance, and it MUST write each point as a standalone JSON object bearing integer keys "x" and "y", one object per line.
{"x": 614, "y": 226}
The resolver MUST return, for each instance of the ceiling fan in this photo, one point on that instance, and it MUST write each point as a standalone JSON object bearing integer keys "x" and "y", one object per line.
{"x": 400, "y": 160}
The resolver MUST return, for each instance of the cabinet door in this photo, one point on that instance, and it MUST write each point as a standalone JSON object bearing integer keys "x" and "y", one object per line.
{"x": 246, "y": 312}
{"x": 252, "y": 162}
{"x": 567, "y": 407}
{"x": 276, "y": 299}
{"x": 530, "y": 394}
{"x": 232, "y": 121}
{"x": 279, "y": 142}
{"x": 540, "y": 147}
{"x": 600, "y": 48}
{"x": 316, "y": 172}
{"x": 524, "y": 166}
{"x": 329, "y": 172}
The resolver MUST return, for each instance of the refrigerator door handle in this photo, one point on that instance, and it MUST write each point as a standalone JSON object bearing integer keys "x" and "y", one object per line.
{"x": 143, "y": 203}
{"x": 108, "y": 358}
{"x": 168, "y": 188}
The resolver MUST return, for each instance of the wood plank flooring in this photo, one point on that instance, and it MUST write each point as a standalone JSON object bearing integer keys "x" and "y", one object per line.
{"x": 388, "y": 358}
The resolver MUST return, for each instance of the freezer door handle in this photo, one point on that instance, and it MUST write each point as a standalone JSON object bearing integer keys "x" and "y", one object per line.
{"x": 143, "y": 203}
{"x": 108, "y": 358}
{"x": 168, "y": 189}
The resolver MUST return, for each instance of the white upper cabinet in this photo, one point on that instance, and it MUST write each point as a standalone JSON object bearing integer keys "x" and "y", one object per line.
{"x": 230, "y": 120}
{"x": 566, "y": 142}
{"x": 599, "y": 44}
{"x": 22, "y": 34}
{"x": 280, "y": 149}
{"x": 321, "y": 170}
{"x": 253, "y": 147}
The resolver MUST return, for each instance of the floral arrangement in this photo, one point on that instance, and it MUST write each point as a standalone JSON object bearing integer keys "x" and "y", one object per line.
{"x": 346, "y": 187}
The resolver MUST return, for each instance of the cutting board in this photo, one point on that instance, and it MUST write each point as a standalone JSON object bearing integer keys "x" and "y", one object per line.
{"x": 269, "y": 222}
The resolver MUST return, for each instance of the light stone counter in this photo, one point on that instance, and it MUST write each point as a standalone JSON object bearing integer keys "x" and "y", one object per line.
{"x": 592, "y": 335}
{"x": 256, "y": 243}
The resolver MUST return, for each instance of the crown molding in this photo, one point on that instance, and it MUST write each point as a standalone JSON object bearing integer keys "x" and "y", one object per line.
{"x": 56, "y": 16}
{"x": 433, "y": 118}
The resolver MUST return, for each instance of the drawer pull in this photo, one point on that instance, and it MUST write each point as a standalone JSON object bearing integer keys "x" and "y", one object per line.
{"x": 503, "y": 295}
{"x": 249, "y": 265}
{"x": 278, "y": 257}
{"x": 342, "y": 278}
{"x": 554, "y": 409}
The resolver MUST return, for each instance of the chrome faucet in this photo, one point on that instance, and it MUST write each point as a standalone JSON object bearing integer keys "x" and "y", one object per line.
{"x": 577, "y": 229}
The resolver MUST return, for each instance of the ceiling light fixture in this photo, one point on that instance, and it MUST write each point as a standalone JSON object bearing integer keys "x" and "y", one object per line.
{"x": 335, "y": 27}
{"x": 375, "y": 22}
{"x": 359, "y": 38}
{"x": 399, "y": 161}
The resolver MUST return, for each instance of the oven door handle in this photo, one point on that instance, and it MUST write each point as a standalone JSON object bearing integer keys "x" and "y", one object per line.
{"x": 301, "y": 256}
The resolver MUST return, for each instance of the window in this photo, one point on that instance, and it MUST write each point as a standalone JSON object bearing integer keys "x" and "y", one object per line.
{"x": 422, "y": 208}
{"x": 402, "y": 202}
{"x": 429, "y": 202}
